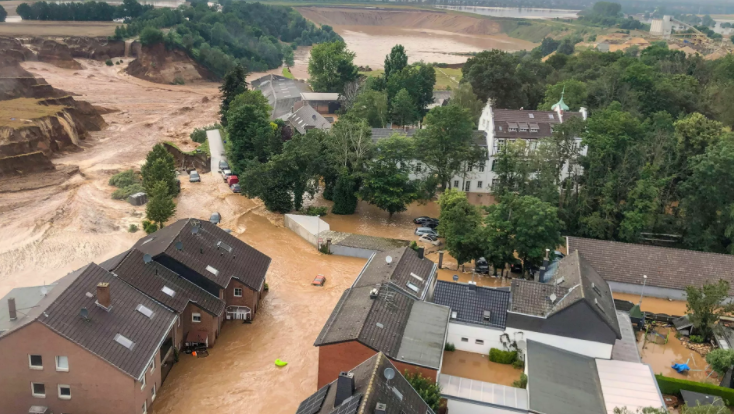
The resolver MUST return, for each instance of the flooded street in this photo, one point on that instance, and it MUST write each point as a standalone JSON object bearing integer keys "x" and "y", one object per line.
{"x": 478, "y": 367}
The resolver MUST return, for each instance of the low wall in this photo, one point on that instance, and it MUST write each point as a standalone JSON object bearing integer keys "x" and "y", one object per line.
{"x": 306, "y": 226}
{"x": 351, "y": 251}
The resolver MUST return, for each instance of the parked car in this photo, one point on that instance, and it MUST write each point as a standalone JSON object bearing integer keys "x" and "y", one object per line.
{"x": 430, "y": 239}
{"x": 424, "y": 221}
{"x": 517, "y": 268}
{"x": 432, "y": 223}
{"x": 319, "y": 280}
{"x": 425, "y": 230}
{"x": 225, "y": 173}
{"x": 223, "y": 165}
{"x": 235, "y": 187}
{"x": 419, "y": 220}
{"x": 481, "y": 265}
{"x": 232, "y": 179}
{"x": 215, "y": 218}
{"x": 194, "y": 177}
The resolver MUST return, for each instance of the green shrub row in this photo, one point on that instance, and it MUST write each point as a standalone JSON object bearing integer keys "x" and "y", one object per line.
{"x": 673, "y": 386}
{"x": 502, "y": 357}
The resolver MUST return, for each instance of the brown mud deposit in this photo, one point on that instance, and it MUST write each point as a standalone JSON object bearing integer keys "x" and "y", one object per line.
{"x": 478, "y": 367}
{"x": 56, "y": 28}
{"x": 661, "y": 357}
{"x": 157, "y": 64}
{"x": 428, "y": 36}
{"x": 655, "y": 305}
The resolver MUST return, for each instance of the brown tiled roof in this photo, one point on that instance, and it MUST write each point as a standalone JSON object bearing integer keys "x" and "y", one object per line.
{"x": 203, "y": 249}
{"x": 151, "y": 278}
{"x": 405, "y": 262}
{"x": 664, "y": 266}
{"x": 544, "y": 120}
{"x": 97, "y": 334}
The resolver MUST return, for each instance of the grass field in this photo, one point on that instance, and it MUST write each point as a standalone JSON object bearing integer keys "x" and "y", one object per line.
{"x": 47, "y": 28}
{"x": 445, "y": 78}
{"x": 14, "y": 112}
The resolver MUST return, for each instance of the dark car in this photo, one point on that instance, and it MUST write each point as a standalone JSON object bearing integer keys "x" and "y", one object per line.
{"x": 235, "y": 187}
{"x": 426, "y": 221}
{"x": 223, "y": 165}
{"x": 215, "y": 218}
{"x": 481, "y": 265}
{"x": 419, "y": 220}
{"x": 517, "y": 268}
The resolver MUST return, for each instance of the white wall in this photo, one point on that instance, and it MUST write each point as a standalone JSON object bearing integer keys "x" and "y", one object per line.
{"x": 464, "y": 407}
{"x": 306, "y": 226}
{"x": 491, "y": 338}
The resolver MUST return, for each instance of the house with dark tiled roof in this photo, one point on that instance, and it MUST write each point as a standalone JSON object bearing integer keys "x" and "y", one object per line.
{"x": 376, "y": 385}
{"x": 213, "y": 260}
{"x": 669, "y": 271}
{"x": 88, "y": 343}
{"x": 574, "y": 310}
{"x": 201, "y": 313}
{"x": 384, "y": 312}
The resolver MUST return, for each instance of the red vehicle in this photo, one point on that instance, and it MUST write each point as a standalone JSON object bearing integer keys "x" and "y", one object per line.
{"x": 232, "y": 179}
{"x": 319, "y": 280}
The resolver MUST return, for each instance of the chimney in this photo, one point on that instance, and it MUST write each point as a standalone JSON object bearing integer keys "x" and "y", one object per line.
{"x": 381, "y": 408}
{"x": 344, "y": 387}
{"x": 11, "y": 309}
{"x": 544, "y": 268}
{"x": 103, "y": 295}
{"x": 421, "y": 252}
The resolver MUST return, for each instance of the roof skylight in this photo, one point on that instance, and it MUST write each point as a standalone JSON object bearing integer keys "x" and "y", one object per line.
{"x": 212, "y": 270}
{"x": 145, "y": 311}
{"x": 124, "y": 342}
{"x": 412, "y": 287}
{"x": 168, "y": 291}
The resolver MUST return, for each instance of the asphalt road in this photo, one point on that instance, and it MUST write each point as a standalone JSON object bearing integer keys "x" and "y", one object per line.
{"x": 216, "y": 147}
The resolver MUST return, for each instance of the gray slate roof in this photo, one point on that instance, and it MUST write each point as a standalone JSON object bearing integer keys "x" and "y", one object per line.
{"x": 402, "y": 271}
{"x": 306, "y": 118}
{"x": 625, "y": 349}
{"x": 200, "y": 250}
{"x": 26, "y": 305}
{"x": 369, "y": 384}
{"x": 574, "y": 280}
{"x": 380, "y": 133}
{"x": 664, "y": 266}
{"x": 562, "y": 382}
{"x": 469, "y": 302}
{"x": 151, "y": 278}
{"x": 61, "y": 314}
{"x": 544, "y": 120}
{"x": 362, "y": 241}
{"x": 380, "y": 323}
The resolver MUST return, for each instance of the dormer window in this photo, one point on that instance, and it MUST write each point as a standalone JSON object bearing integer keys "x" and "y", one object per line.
{"x": 512, "y": 126}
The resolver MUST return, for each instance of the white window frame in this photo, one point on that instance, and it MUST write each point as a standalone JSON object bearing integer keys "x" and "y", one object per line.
{"x": 35, "y": 367}
{"x": 60, "y": 369}
{"x": 152, "y": 397}
{"x": 456, "y": 183}
{"x": 142, "y": 383}
{"x": 64, "y": 397}
{"x": 33, "y": 392}
{"x": 194, "y": 316}
{"x": 481, "y": 167}
{"x": 152, "y": 365}
{"x": 467, "y": 186}
{"x": 235, "y": 292}
{"x": 479, "y": 184}
{"x": 145, "y": 407}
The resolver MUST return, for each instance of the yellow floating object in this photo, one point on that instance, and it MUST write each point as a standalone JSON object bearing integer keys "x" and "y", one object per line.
{"x": 280, "y": 363}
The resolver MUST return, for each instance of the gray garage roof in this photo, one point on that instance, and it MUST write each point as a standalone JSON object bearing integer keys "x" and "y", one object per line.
{"x": 562, "y": 382}
{"x": 470, "y": 303}
{"x": 423, "y": 339}
{"x": 407, "y": 271}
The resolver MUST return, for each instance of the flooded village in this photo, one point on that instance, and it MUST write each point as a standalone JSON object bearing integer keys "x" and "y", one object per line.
{"x": 229, "y": 306}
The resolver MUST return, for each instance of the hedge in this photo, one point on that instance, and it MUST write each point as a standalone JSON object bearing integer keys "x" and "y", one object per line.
{"x": 502, "y": 357}
{"x": 673, "y": 386}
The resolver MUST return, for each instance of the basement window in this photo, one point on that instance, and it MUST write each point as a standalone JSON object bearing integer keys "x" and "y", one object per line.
{"x": 464, "y": 339}
{"x": 145, "y": 311}
{"x": 168, "y": 291}
{"x": 124, "y": 342}
{"x": 479, "y": 341}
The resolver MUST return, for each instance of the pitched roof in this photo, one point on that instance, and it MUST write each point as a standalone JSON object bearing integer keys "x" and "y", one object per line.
{"x": 407, "y": 271}
{"x": 306, "y": 118}
{"x": 381, "y": 323}
{"x": 574, "y": 280}
{"x": 319, "y": 96}
{"x": 470, "y": 302}
{"x": 27, "y": 307}
{"x": 370, "y": 388}
{"x": 664, "y": 266}
{"x": 60, "y": 311}
{"x": 380, "y": 133}
{"x": 504, "y": 119}
{"x": 562, "y": 382}
{"x": 211, "y": 252}
{"x": 154, "y": 280}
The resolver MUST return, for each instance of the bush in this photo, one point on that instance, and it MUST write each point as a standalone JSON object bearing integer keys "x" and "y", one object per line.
{"x": 673, "y": 386}
{"x": 124, "y": 179}
{"x": 267, "y": 287}
{"x": 178, "y": 81}
{"x": 518, "y": 364}
{"x": 150, "y": 36}
{"x": 696, "y": 339}
{"x": 199, "y": 134}
{"x": 108, "y": 62}
{"x": 414, "y": 245}
{"x": 522, "y": 382}
{"x": 324, "y": 249}
{"x": 125, "y": 192}
{"x": 315, "y": 211}
{"x": 502, "y": 357}
{"x": 149, "y": 226}
{"x": 449, "y": 347}
{"x": 132, "y": 229}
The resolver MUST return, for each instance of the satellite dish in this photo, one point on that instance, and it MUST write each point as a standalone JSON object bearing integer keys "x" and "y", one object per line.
{"x": 44, "y": 291}
{"x": 388, "y": 259}
{"x": 179, "y": 245}
{"x": 84, "y": 314}
{"x": 456, "y": 278}
{"x": 147, "y": 258}
{"x": 194, "y": 230}
{"x": 389, "y": 373}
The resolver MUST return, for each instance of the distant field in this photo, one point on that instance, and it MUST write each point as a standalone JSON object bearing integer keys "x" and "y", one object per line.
{"x": 15, "y": 111}
{"x": 445, "y": 77}
{"x": 46, "y": 28}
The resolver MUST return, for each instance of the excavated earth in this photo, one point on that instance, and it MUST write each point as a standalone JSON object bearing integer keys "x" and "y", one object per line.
{"x": 156, "y": 64}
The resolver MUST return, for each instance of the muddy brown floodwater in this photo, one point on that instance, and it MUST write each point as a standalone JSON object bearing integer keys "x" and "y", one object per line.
{"x": 478, "y": 367}
{"x": 655, "y": 305}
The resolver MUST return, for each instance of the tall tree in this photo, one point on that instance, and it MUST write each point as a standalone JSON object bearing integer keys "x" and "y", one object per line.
{"x": 159, "y": 167}
{"x": 233, "y": 84}
{"x": 511, "y": 168}
{"x": 371, "y": 105}
{"x": 3, "y": 14}
{"x": 464, "y": 97}
{"x": 574, "y": 94}
{"x": 492, "y": 76}
{"x": 459, "y": 225}
{"x": 446, "y": 145}
{"x": 160, "y": 207}
{"x": 250, "y": 135}
{"x": 395, "y": 61}
{"x": 331, "y": 67}
{"x": 418, "y": 80}
{"x": 706, "y": 304}
{"x": 535, "y": 226}
{"x": 403, "y": 110}
{"x": 387, "y": 182}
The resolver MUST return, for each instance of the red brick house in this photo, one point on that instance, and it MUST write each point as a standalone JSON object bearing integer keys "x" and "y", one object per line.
{"x": 376, "y": 315}
{"x": 213, "y": 260}
{"x": 89, "y": 343}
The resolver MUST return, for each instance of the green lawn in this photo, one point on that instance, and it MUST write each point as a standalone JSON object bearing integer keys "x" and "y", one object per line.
{"x": 445, "y": 78}
{"x": 287, "y": 73}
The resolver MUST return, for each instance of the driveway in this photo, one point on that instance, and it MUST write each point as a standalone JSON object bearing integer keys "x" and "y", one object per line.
{"x": 216, "y": 148}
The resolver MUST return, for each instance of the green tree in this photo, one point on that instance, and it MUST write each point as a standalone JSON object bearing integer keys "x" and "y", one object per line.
{"x": 250, "y": 136}
{"x": 695, "y": 133}
{"x": 720, "y": 360}
{"x": 345, "y": 194}
{"x": 233, "y": 85}
{"x": 159, "y": 167}
{"x": 386, "y": 183}
{"x": 548, "y": 46}
{"x": 535, "y": 226}
{"x": 459, "y": 225}
{"x": 418, "y": 79}
{"x": 288, "y": 56}
{"x": 403, "y": 110}
{"x": 331, "y": 67}
{"x": 574, "y": 94}
{"x": 607, "y": 8}
{"x": 497, "y": 237}
{"x": 252, "y": 97}
{"x": 160, "y": 207}
{"x": 463, "y": 96}
{"x": 428, "y": 389}
{"x": 371, "y": 105}
{"x": 151, "y": 36}
{"x": 706, "y": 304}
{"x": 395, "y": 61}
{"x": 3, "y": 14}
{"x": 566, "y": 47}
{"x": 511, "y": 168}
{"x": 492, "y": 75}
{"x": 446, "y": 145}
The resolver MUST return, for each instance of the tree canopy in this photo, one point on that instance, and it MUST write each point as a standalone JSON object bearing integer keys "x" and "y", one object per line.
{"x": 331, "y": 67}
